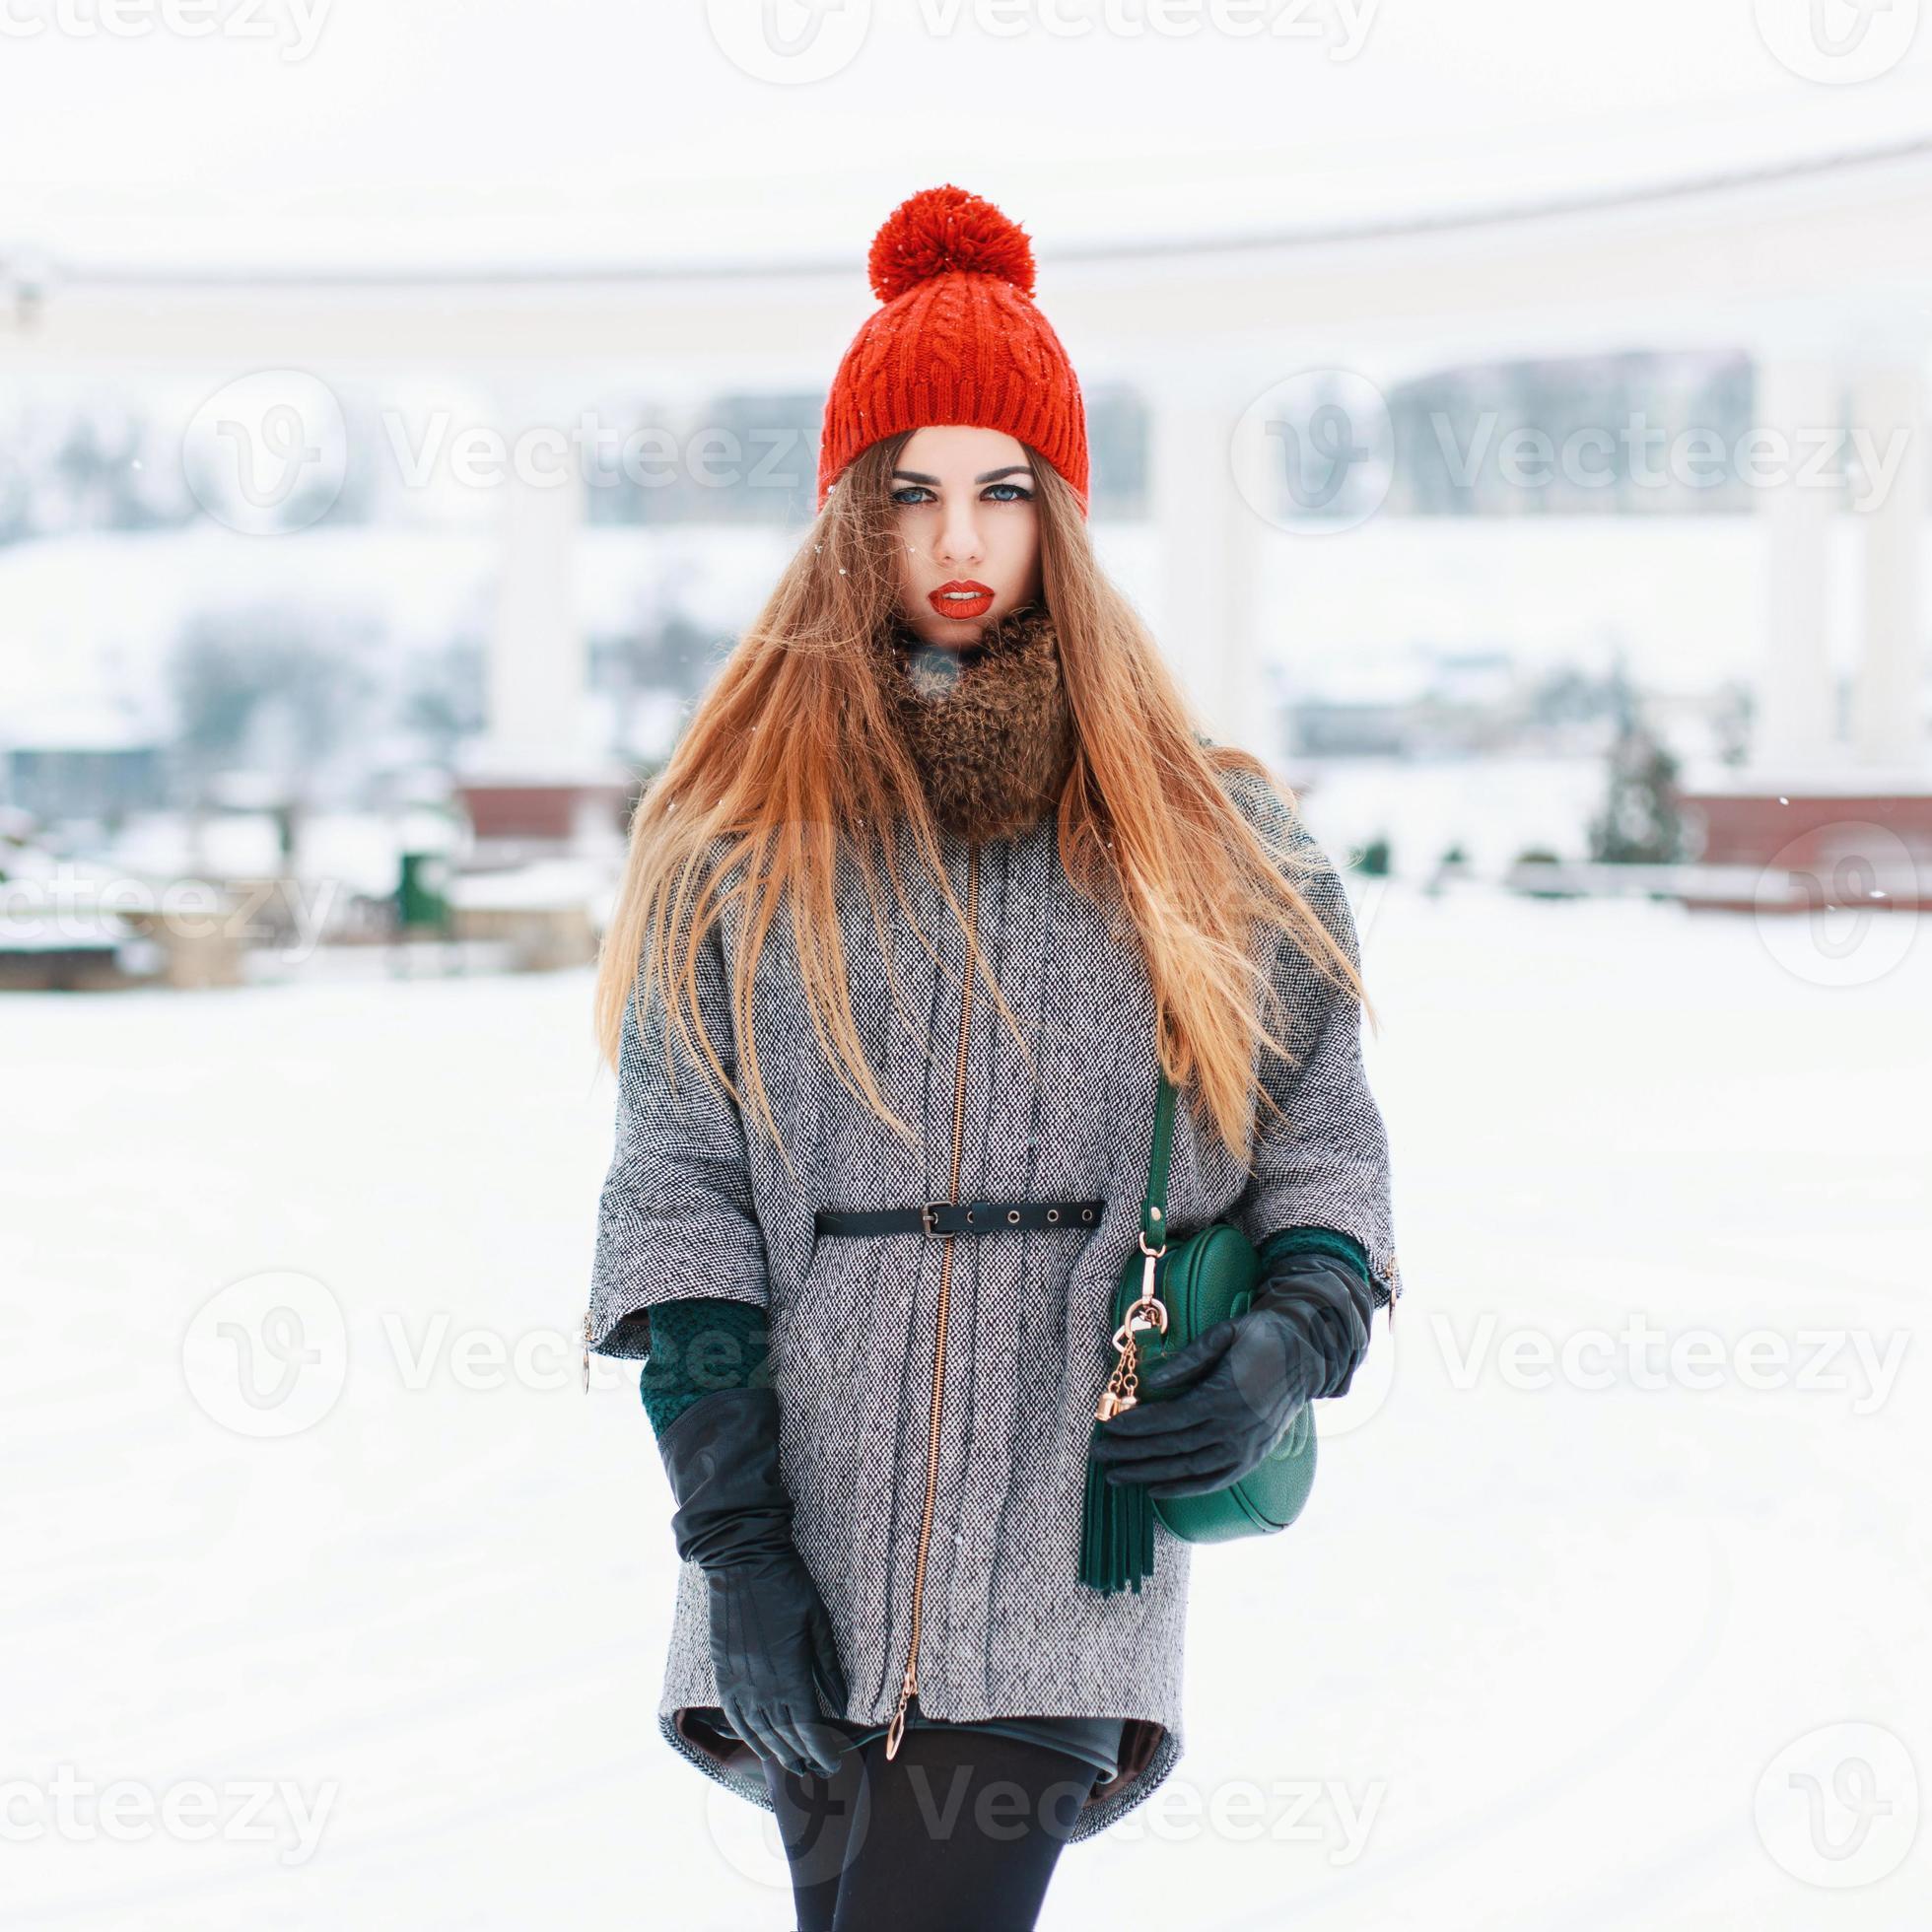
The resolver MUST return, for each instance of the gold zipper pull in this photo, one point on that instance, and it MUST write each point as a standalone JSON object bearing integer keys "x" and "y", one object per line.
{"x": 896, "y": 1729}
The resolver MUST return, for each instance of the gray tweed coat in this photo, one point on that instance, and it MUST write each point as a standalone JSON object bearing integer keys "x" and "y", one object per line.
{"x": 694, "y": 1204}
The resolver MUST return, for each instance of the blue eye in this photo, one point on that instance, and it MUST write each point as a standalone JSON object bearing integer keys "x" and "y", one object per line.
{"x": 910, "y": 494}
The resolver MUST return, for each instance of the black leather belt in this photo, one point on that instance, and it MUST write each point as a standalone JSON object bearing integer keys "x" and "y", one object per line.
{"x": 940, "y": 1219}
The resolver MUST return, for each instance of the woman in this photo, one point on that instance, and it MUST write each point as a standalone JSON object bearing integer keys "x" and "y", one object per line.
{"x": 937, "y": 879}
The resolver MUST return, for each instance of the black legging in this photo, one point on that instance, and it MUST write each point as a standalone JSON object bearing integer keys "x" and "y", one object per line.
{"x": 959, "y": 1832}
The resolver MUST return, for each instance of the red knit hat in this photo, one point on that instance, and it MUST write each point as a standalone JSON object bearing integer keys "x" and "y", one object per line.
{"x": 958, "y": 341}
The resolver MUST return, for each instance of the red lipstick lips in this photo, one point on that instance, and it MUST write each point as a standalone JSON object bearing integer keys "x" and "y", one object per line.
{"x": 962, "y": 597}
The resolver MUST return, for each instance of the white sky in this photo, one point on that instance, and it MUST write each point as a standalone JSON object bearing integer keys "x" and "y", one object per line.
{"x": 420, "y": 132}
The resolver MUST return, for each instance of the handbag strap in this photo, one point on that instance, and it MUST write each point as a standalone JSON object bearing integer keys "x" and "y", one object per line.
{"x": 1153, "y": 1211}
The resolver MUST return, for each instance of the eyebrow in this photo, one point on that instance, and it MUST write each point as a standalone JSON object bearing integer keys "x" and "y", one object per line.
{"x": 987, "y": 476}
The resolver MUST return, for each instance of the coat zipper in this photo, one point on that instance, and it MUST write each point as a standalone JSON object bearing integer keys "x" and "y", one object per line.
{"x": 910, "y": 1686}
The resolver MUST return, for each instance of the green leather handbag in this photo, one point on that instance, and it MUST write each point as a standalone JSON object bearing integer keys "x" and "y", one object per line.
{"x": 1169, "y": 1293}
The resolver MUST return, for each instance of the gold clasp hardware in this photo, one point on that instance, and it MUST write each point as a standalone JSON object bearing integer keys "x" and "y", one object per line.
{"x": 1148, "y": 1311}
{"x": 1140, "y": 1315}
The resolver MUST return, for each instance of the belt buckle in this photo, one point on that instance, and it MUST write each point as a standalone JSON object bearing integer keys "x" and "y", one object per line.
{"x": 925, "y": 1215}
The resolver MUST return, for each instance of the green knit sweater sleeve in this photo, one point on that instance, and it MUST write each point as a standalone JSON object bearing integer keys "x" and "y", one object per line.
{"x": 1321, "y": 1240}
{"x": 697, "y": 1345}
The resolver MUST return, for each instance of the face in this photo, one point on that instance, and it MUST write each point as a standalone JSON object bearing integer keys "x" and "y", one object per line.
{"x": 969, "y": 530}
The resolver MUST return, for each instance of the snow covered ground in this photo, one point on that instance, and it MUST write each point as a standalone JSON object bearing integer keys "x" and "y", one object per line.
{"x": 1602, "y": 1535}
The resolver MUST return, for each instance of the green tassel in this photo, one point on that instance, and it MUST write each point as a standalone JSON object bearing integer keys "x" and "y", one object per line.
{"x": 1117, "y": 1529}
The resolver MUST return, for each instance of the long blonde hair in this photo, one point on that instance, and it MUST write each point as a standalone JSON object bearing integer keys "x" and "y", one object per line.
{"x": 791, "y": 757}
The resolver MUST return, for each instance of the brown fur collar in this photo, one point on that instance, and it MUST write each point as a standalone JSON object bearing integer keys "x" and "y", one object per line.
{"x": 989, "y": 727}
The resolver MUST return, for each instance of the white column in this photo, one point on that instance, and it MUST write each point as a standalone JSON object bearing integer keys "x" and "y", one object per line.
{"x": 538, "y": 664}
{"x": 1798, "y": 397}
{"x": 1889, "y": 412}
{"x": 1210, "y": 556}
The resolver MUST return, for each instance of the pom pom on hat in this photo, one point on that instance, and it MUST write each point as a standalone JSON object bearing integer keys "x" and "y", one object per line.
{"x": 958, "y": 339}
{"x": 946, "y": 231}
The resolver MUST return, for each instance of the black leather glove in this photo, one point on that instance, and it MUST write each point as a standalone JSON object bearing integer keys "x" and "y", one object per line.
{"x": 1226, "y": 1400}
{"x": 771, "y": 1637}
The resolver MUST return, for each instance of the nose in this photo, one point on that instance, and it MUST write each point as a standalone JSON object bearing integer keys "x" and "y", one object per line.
{"x": 959, "y": 548}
